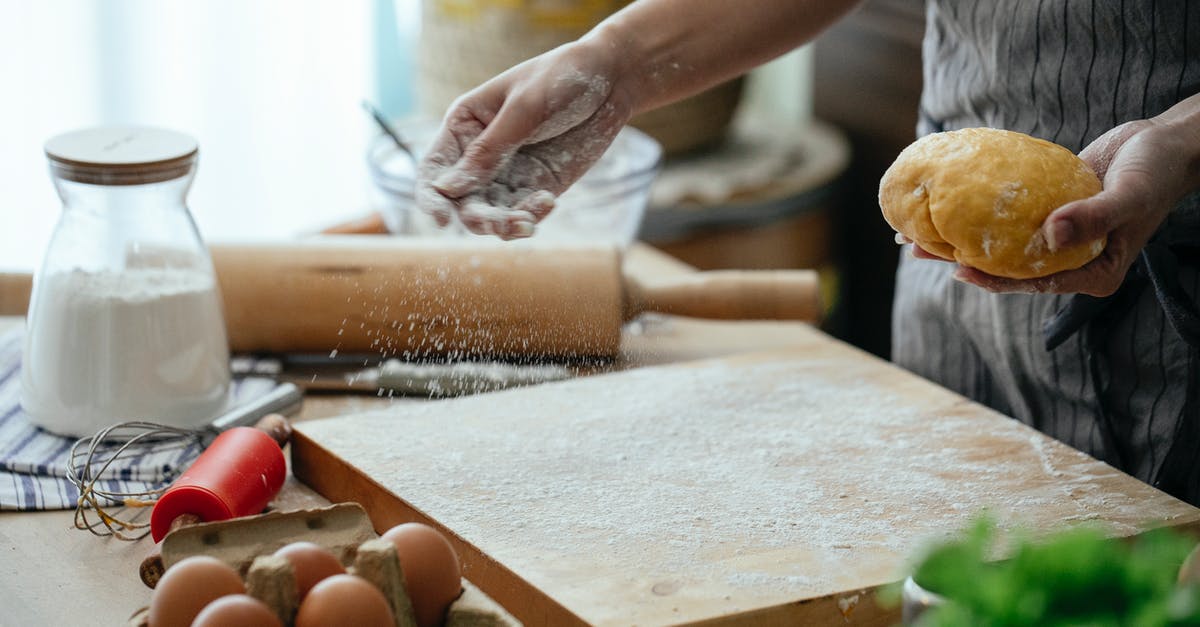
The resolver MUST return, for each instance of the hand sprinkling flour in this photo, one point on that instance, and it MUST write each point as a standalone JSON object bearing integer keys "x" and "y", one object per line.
{"x": 510, "y": 147}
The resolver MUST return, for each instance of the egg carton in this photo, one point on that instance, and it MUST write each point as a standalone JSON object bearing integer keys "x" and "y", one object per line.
{"x": 248, "y": 545}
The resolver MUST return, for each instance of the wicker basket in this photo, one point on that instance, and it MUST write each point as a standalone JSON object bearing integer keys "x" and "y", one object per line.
{"x": 467, "y": 42}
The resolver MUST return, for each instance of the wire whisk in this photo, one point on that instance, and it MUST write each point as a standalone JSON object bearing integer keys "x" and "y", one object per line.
{"x": 107, "y": 507}
{"x": 104, "y": 507}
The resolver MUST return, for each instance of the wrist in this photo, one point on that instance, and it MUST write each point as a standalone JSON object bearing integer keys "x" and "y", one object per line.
{"x": 1181, "y": 126}
{"x": 623, "y": 56}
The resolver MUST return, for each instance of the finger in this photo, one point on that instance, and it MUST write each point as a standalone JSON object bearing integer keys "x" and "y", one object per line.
{"x": 512, "y": 223}
{"x": 474, "y": 214}
{"x": 1095, "y": 217}
{"x": 484, "y": 218}
{"x": 538, "y": 204}
{"x": 1099, "y": 278}
{"x": 490, "y": 150}
{"x": 458, "y": 128}
{"x": 1002, "y": 285}
{"x": 921, "y": 253}
{"x": 516, "y": 226}
{"x": 435, "y": 204}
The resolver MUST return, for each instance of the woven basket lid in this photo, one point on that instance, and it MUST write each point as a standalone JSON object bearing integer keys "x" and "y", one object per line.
{"x": 121, "y": 155}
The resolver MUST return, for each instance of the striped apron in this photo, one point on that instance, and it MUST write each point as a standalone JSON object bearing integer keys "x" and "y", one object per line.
{"x": 1119, "y": 377}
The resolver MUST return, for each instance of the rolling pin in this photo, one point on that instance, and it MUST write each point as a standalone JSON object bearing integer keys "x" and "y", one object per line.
{"x": 418, "y": 298}
{"x": 237, "y": 475}
{"x": 14, "y": 293}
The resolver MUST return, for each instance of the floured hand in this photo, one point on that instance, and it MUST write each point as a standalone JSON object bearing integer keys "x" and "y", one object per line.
{"x": 508, "y": 148}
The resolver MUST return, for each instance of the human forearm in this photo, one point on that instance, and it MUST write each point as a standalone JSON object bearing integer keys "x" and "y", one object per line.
{"x": 674, "y": 48}
{"x": 509, "y": 147}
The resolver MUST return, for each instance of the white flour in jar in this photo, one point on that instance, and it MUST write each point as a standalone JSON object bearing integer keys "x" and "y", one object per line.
{"x": 107, "y": 347}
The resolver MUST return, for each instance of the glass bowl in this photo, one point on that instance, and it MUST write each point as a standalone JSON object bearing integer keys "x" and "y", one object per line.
{"x": 606, "y": 205}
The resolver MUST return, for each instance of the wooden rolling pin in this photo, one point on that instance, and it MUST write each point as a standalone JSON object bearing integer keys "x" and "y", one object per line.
{"x": 412, "y": 298}
{"x": 14, "y": 293}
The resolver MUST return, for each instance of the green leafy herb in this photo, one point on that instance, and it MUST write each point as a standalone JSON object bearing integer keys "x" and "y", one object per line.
{"x": 1076, "y": 577}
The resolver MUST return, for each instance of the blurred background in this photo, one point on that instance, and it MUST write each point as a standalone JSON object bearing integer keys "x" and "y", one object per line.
{"x": 776, "y": 170}
{"x": 270, "y": 89}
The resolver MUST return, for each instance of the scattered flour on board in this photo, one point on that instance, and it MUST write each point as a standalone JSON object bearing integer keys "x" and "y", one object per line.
{"x": 465, "y": 377}
{"x": 773, "y": 484}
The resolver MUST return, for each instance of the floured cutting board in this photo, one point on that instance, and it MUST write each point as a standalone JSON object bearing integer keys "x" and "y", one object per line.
{"x": 769, "y": 488}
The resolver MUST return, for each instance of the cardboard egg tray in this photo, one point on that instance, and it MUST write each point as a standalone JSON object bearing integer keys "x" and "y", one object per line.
{"x": 248, "y": 545}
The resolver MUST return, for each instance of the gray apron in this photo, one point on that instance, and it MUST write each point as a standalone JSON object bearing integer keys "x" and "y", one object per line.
{"x": 1119, "y": 377}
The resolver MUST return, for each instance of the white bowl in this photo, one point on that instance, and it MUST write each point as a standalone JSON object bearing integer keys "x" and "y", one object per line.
{"x": 606, "y": 205}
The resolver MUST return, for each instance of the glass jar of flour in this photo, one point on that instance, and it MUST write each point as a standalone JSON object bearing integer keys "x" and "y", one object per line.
{"x": 125, "y": 319}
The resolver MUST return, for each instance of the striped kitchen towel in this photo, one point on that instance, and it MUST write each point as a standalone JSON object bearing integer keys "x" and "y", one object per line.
{"x": 34, "y": 462}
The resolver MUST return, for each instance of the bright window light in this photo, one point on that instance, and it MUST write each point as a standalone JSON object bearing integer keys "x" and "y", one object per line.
{"x": 270, "y": 89}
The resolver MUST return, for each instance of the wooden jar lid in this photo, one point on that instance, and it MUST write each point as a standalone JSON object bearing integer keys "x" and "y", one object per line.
{"x": 121, "y": 155}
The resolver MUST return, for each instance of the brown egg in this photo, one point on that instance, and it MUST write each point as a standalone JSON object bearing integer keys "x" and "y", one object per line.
{"x": 237, "y": 610}
{"x": 311, "y": 563}
{"x": 344, "y": 600}
{"x": 432, "y": 575}
{"x": 188, "y": 586}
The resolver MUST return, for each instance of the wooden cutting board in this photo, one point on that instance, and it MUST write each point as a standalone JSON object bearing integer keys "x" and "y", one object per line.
{"x": 773, "y": 488}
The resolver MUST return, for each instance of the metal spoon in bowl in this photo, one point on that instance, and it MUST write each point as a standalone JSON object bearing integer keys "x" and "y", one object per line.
{"x": 387, "y": 129}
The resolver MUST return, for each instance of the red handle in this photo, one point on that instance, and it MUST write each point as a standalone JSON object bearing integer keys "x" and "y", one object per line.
{"x": 237, "y": 475}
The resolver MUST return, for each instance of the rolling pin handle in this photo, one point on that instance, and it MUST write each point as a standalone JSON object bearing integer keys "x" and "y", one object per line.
{"x": 276, "y": 426}
{"x": 730, "y": 295}
{"x": 15, "y": 289}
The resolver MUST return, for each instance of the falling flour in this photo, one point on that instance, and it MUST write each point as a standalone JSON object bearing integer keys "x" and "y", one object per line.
{"x": 107, "y": 347}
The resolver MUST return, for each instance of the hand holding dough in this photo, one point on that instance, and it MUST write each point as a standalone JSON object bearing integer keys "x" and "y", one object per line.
{"x": 979, "y": 196}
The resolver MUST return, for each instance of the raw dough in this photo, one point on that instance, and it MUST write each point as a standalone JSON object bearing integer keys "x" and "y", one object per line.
{"x": 979, "y": 196}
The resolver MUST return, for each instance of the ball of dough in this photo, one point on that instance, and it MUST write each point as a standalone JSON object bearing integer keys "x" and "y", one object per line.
{"x": 979, "y": 196}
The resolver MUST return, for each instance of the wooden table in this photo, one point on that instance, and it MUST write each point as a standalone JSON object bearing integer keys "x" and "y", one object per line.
{"x": 53, "y": 574}
{"x": 779, "y": 487}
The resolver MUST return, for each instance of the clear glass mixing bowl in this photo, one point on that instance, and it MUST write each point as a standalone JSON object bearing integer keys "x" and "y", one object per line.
{"x": 605, "y": 206}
